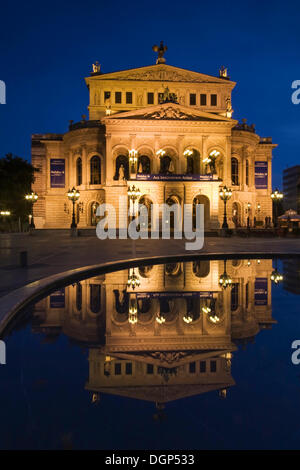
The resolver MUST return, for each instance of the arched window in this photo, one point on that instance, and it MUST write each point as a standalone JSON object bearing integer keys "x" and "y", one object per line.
{"x": 166, "y": 165}
{"x": 234, "y": 171}
{"x": 122, "y": 162}
{"x": 247, "y": 172}
{"x": 79, "y": 171}
{"x": 95, "y": 170}
{"x": 201, "y": 268}
{"x": 144, "y": 165}
{"x": 95, "y": 298}
{"x": 78, "y": 296}
{"x": 234, "y": 297}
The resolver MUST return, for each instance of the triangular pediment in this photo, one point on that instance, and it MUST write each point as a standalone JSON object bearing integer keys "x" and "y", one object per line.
{"x": 161, "y": 73}
{"x": 169, "y": 112}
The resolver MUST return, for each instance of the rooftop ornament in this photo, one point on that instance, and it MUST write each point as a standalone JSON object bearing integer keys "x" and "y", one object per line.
{"x": 161, "y": 49}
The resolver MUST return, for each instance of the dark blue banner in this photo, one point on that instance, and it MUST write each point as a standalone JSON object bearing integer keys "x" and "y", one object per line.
{"x": 57, "y": 173}
{"x": 153, "y": 295}
{"x": 159, "y": 177}
{"x": 261, "y": 175}
{"x": 57, "y": 299}
{"x": 261, "y": 291}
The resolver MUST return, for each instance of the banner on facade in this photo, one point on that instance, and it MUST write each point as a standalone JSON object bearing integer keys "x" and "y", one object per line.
{"x": 261, "y": 175}
{"x": 159, "y": 295}
{"x": 159, "y": 177}
{"x": 57, "y": 299}
{"x": 261, "y": 291}
{"x": 57, "y": 173}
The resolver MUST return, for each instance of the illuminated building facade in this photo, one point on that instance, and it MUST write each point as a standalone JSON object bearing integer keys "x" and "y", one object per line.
{"x": 167, "y": 130}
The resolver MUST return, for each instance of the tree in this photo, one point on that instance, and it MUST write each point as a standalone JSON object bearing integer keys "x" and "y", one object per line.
{"x": 16, "y": 178}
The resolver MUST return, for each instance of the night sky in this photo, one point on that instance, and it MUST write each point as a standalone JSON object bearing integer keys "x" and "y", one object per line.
{"x": 47, "y": 48}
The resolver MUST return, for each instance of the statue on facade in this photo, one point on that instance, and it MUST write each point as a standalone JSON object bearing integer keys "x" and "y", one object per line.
{"x": 96, "y": 67}
{"x": 161, "y": 49}
{"x": 140, "y": 168}
{"x": 223, "y": 72}
{"x": 121, "y": 172}
{"x": 171, "y": 168}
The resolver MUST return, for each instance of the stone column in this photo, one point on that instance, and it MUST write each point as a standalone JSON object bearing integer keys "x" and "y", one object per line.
{"x": 109, "y": 160}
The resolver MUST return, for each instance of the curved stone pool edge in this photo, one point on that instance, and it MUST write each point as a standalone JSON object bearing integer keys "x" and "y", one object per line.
{"x": 15, "y": 301}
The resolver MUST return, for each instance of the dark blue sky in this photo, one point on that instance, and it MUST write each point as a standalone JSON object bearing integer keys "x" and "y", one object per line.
{"x": 46, "y": 48}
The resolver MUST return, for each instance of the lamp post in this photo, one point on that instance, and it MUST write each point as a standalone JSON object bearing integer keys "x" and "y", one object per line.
{"x": 133, "y": 194}
{"x": 133, "y": 160}
{"x": 73, "y": 195}
{"x": 276, "y": 197}
{"x": 225, "y": 195}
{"x": 31, "y": 197}
{"x": 225, "y": 280}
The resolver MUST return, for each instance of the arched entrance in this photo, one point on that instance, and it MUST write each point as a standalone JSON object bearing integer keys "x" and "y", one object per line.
{"x": 171, "y": 201}
{"x": 201, "y": 199}
{"x": 236, "y": 214}
{"x": 93, "y": 217}
{"x": 146, "y": 201}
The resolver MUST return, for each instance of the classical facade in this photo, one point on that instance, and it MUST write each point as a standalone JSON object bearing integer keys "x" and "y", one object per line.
{"x": 166, "y": 130}
{"x": 172, "y": 336}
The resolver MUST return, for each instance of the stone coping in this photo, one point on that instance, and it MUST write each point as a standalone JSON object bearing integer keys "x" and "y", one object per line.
{"x": 15, "y": 301}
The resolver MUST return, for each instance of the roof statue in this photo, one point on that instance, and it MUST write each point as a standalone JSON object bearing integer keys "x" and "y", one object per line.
{"x": 96, "y": 67}
{"x": 161, "y": 49}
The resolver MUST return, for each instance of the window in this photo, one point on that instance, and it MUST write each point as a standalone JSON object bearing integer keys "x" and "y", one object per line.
{"x": 128, "y": 368}
{"x": 78, "y": 296}
{"x": 192, "y": 99}
{"x": 192, "y": 367}
{"x": 106, "y": 95}
{"x": 117, "y": 368}
{"x": 118, "y": 97}
{"x": 144, "y": 164}
{"x": 150, "y": 368}
{"x": 213, "y": 366}
{"x": 128, "y": 97}
{"x": 95, "y": 298}
{"x": 122, "y": 164}
{"x": 202, "y": 366}
{"x": 150, "y": 98}
{"x": 95, "y": 170}
{"x": 247, "y": 172}
{"x": 203, "y": 99}
{"x": 234, "y": 297}
{"x": 79, "y": 171}
{"x": 213, "y": 100}
{"x": 234, "y": 171}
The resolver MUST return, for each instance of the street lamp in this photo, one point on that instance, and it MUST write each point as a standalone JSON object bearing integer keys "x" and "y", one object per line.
{"x": 32, "y": 197}
{"x": 276, "y": 277}
{"x": 133, "y": 280}
{"x": 73, "y": 195}
{"x": 225, "y": 280}
{"x": 276, "y": 197}
{"x": 225, "y": 195}
{"x": 133, "y": 194}
{"x": 133, "y": 159}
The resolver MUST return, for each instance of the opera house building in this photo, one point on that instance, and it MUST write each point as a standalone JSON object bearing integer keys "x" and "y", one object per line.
{"x": 167, "y": 131}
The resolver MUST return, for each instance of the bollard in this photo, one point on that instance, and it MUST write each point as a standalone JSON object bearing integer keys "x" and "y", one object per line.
{"x": 23, "y": 259}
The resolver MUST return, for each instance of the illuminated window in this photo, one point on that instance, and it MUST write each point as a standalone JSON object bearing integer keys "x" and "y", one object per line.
{"x": 118, "y": 97}
{"x": 79, "y": 171}
{"x": 234, "y": 171}
{"x": 128, "y": 97}
{"x": 213, "y": 100}
{"x": 150, "y": 98}
{"x": 203, "y": 99}
{"x": 192, "y": 99}
{"x": 95, "y": 170}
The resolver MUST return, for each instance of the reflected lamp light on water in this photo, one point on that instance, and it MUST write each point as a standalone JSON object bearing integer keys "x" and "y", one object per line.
{"x": 187, "y": 318}
{"x": 276, "y": 276}
{"x": 5, "y": 213}
{"x": 133, "y": 280}
{"x": 133, "y": 311}
{"x": 160, "y": 319}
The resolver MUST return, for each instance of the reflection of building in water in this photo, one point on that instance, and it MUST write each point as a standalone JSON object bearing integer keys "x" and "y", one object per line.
{"x": 291, "y": 278}
{"x": 167, "y": 336}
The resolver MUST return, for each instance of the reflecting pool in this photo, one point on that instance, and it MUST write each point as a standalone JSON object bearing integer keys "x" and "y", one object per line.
{"x": 184, "y": 355}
